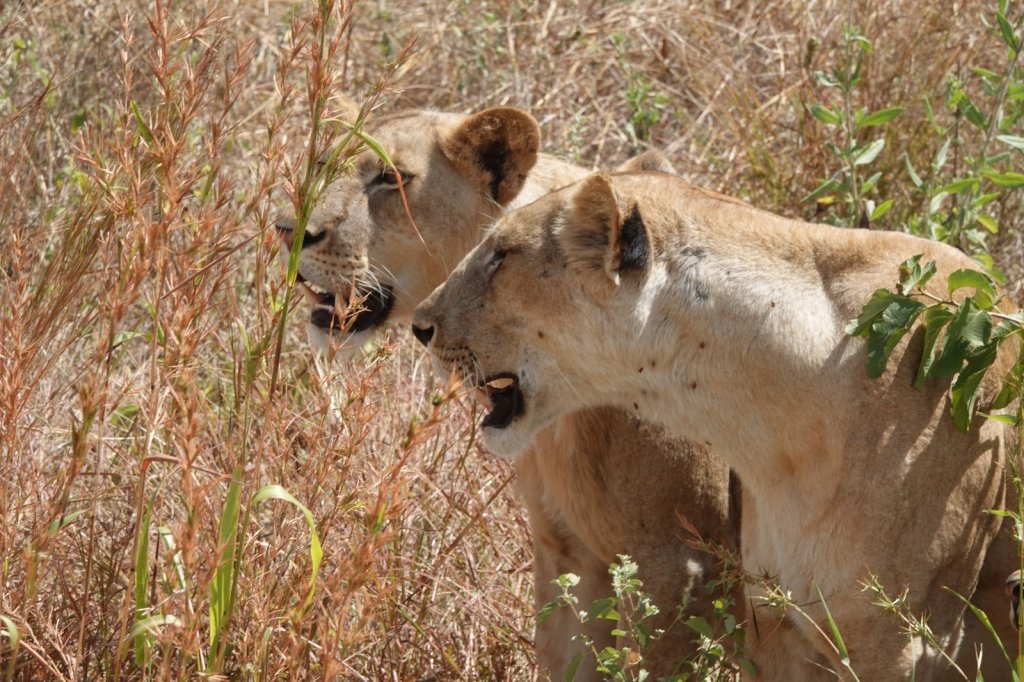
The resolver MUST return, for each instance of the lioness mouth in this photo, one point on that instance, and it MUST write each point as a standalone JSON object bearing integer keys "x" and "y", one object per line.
{"x": 503, "y": 399}
{"x": 373, "y": 309}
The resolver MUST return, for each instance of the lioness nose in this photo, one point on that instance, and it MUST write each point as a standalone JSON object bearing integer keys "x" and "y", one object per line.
{"x": 424, "y": 334}
{"x": 285, "y": 229}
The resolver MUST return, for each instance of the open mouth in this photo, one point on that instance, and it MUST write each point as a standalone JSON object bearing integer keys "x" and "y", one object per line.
{"x": 373, "y": 308}
{"x": 503, "y": 399}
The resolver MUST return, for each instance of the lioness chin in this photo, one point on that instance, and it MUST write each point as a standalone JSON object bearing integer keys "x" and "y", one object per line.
{"x": 725, "y": 324}
{"x": 597, "y": 483}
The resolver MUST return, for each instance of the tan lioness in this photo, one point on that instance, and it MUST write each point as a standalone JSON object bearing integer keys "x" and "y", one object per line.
{"x": 726, "y": 324}
{"x": 596, "y": 483}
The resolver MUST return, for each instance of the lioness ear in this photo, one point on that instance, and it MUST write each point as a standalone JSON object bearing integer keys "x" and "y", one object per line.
{"x": 650, "y": 160}
{"x": 600, "y": 239}
{"x": 495, "y": 148}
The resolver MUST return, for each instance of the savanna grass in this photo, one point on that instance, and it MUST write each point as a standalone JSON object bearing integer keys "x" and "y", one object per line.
{"x": 154, "y": 372}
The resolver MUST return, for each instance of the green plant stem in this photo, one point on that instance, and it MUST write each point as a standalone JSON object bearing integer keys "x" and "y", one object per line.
{"x": 981, "y": 157}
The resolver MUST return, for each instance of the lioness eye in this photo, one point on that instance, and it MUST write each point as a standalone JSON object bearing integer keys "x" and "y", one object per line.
{"x": 496, "y": 258}
{"x": 389, "y": 177}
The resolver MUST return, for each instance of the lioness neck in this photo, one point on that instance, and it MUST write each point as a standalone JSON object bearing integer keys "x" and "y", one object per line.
{"x": 741, "y": 342}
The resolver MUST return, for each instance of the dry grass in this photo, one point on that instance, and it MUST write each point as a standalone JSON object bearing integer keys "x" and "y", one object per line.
{"x": 144, "y": 150}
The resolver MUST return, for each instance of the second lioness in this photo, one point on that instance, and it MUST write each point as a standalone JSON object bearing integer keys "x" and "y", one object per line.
{"x": 598, "y": 482}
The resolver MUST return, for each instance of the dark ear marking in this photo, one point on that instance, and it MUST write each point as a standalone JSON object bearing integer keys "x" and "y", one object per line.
{"x": 494, "y": 159}
{"x": 633, "y": 243}
{"x": 495, "y": 149}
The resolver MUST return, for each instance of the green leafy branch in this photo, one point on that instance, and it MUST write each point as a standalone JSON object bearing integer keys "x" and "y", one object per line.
{"x": 850, "y": 125}
{"x": 961, "y": 339}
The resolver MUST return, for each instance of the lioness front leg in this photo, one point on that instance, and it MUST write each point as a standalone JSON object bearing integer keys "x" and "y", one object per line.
{"x": 558, "y": 551}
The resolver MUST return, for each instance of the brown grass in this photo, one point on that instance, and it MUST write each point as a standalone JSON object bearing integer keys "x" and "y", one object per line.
{"x": 144, "y": 151}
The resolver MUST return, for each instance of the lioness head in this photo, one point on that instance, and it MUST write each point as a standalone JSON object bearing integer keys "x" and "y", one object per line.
{"x": 368, "y": 244}
{"x": 525, "y": 317}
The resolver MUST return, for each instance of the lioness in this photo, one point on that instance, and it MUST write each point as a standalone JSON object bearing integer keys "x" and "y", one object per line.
{"x": 596, "y": 483}
{"x": 725, "y": 324}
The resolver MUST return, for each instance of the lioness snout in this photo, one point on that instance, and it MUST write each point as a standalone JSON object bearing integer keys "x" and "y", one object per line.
{"x": 424, "y": 334}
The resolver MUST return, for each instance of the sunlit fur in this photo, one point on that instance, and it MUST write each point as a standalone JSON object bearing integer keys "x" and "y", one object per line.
{"x": 733, "y": 336}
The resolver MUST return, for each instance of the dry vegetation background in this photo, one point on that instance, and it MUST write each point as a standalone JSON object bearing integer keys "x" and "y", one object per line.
{"x": 144, "y": 151}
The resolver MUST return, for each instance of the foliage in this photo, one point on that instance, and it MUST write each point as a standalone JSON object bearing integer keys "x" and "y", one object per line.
{"x": 960, "y": 197}
{"x": 718, "y": 643}
{"x": 850, "y": 124}
{"x": 962, "y": 337}
{"x": 629, "y": 606}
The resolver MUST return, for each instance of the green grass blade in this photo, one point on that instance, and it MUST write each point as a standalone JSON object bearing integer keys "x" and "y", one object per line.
{"x": 316, "y": 553}
{"x": 152, "y": 624}
{"x": 13, "y": 637}
{"x": 987, "y": 624}
{"x": 844, "y": 655}
{"x": 221, "y": 589}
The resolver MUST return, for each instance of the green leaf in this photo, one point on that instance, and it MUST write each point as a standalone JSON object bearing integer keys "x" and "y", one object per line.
{"x": 62, "y": 521}
{"x": 826, "y": 116}
{"x": 868, "y": 153}
{"x": 984, "y": 287}
{"x": 316, "y": 552}
{"x": 987, "y": 74}
{"x": 1007, "y": 34}
{"x": 936, "y": 317}
{"x": 124, "y": 416}
{"x": 988, "y": 222}
{"x": 140, "y": 125}
{"x": 1007, "y": 179}
{"x": 913, "y": 276}
{"x": 971, "y": 112}
{"x": 823, "y": 189}
{"x": 964, "y": 392}
{"x": 914, "y": 177}
{"x": 894, "y": 322}
{"x": 1012, "y": 140}
{"x": 881, "y": 209}
{"x": 77, "y": 121}
{"x": 984, "y": 199}
{"x": 574, "y": 665}
{"x": 603, "y": 609}
{"x": 870, "y": 183}
{"x": 941, "y": 155}
{"x": 872, "y": 310}
{"x": 958, "y": 186}
{"x": 12, "y": 637}
{"x": 825, "y": 79}
{"x": 880, "y": 117}
{"x": 700, "y": 626}
{"x": 968, "y": 332}
{"x": 545, "y": 611}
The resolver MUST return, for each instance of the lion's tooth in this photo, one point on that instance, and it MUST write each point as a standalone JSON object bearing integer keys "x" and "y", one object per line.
{"x": 500, "y": 384}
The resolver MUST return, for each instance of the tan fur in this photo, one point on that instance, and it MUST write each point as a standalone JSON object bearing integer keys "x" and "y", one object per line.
{"x": 597, "y": 483}
{"x": 727, "y": 327}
